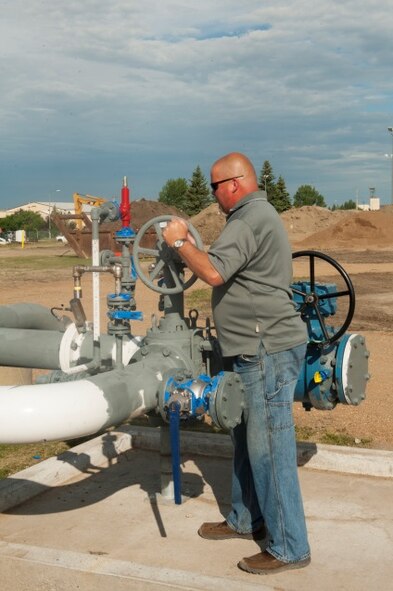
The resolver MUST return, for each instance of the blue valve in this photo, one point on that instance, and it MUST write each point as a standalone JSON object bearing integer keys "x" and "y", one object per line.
{"x": 125, "y": 315}
{"x": 126, "y": 297}
{"x": 125, "y": 233}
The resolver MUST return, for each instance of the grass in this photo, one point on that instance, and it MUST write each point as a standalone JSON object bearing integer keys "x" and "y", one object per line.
{"x": 330, "y": 438}
{"x": 16, "y": 457}
{"x": 198, "y": 298}
{"x": 40, "y": 263}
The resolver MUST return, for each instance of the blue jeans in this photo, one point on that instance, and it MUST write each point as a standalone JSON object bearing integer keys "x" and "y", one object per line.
{"x": 265, "y": 485}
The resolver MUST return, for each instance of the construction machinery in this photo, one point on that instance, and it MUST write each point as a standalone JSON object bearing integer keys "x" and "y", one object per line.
{"x": 79, "y": 202}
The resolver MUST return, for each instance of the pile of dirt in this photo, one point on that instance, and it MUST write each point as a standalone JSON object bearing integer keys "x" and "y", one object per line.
{"x": 209, "y": 222}
{"x": 309, "y": 227}
{"x": 317, "y": 228}
{"x": 142, "y": 211}
{"x": 300, "y": 223}
{"x": 358, "y": 230}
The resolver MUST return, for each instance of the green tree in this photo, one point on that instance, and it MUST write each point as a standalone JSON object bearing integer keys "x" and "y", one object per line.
{"x": 308, "y": 195}
{"x": 266, "y": 179}
{"x": 198, "y": 195}
{"x": 282, "y": 200}
{"x": 350, "y": 204}
{"x": 23, "y": 220}
{"x": 174, "y": 192}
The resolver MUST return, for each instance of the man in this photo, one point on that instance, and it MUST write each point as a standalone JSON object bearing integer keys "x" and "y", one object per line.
{"x": 262, "y": 335}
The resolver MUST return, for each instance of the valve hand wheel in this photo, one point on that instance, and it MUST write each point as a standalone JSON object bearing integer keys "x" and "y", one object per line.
{"x": 311, "y": 298}
{"x": 168, "y": 263}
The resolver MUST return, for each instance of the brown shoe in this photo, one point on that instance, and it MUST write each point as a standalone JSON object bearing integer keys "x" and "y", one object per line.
{"x": 264, "y": 563}
{"x": 222, "y": 531}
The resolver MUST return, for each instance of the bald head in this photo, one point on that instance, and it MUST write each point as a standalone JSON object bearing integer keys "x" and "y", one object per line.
{"x": 237, "y": 166}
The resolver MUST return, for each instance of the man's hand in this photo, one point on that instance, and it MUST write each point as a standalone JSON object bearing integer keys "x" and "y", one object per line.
{"x": 196, "y": 260}
{"x": 176, "y": 229}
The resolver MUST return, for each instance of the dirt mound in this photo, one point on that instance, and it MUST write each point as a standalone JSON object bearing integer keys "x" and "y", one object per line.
{"x": 144, "y": 210}
{"x": 299, "y": 222}
{"x": 309, "y": 227}
{"x": 209, "y": 222}
{"x": 359, "y": 230}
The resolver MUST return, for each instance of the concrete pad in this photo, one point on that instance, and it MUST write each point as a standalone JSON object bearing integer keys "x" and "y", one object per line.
{"x": 106, "y": 448}
{"x": 105, "y": 529}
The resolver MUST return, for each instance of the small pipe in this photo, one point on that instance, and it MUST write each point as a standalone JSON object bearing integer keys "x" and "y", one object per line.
{"x": 119, "y": 351}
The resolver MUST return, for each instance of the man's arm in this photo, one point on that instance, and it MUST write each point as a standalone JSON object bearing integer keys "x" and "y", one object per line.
{"x": 196, "y": 260}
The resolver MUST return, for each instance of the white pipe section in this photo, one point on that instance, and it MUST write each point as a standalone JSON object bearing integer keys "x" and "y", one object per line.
{"x": 51, "y": 411}
{"x": 96, "y": 289}
{"x": 67, "y": 410}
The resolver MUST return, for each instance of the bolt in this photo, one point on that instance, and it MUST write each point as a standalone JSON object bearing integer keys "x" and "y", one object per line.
{"x": 166, "y": 352}
{"x": 144, "y": 351}
{"x": 224, "y": 398}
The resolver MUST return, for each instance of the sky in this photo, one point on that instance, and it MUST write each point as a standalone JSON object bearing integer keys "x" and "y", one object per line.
{"x": 91, "y": 91}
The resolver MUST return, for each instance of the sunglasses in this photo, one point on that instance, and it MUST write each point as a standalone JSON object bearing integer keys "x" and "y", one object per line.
{"x": 214, "y": 185}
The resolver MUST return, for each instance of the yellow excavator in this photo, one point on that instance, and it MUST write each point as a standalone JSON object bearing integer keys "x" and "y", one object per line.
{"x": 79, "y": 201}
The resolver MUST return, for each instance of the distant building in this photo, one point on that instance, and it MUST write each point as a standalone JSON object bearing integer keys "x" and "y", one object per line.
{"x": 43, "y": 208}
{"x": 374, "y": 203}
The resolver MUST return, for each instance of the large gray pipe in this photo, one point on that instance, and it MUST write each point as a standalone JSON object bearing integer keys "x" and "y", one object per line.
{"x": 40, "y": 349}
{"x": 67, "y": 410}
{"x": 30, "y": 316}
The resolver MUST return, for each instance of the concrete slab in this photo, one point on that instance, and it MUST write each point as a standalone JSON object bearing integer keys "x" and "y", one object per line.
{"x": 104, "y": 528}
{"x": 106, "y": 448}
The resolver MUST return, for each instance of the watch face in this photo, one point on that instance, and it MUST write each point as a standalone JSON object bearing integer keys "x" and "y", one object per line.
{"x": 178, "y": 243}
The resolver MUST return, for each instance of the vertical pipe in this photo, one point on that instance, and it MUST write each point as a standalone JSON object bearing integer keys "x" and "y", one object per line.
{"x": 96, "y": 275}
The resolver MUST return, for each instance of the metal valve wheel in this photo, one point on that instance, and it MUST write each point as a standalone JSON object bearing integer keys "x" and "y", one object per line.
{"x": 311, "y": 298}
{"x": 168, "y": 262}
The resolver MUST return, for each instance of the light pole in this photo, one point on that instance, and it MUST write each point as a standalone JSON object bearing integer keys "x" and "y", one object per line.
{"x": 49, "y": 216}
{"x": 265, "y": 177}
{"x": 390, "y": 130}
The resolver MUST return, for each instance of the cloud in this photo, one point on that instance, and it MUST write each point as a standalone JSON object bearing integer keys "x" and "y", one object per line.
{"x": 305, "y": 84}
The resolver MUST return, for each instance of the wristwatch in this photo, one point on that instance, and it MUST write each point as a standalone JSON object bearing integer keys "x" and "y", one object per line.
{"x": 179, "y": 243}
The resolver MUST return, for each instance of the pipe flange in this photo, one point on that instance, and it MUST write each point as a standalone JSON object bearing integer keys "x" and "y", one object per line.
{"x": 227, "y": 402}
